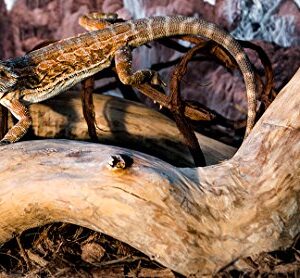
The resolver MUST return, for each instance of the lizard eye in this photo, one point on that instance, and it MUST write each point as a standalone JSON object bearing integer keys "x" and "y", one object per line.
{"x": 2, "y": 74}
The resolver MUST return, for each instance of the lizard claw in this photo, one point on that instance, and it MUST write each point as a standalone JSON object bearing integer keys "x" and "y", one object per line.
{"x": 156, "y": 80}
{"x": 4, "y": 142}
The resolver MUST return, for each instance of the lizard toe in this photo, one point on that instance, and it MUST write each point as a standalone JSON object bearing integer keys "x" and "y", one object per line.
{"x": 4, "y": 142}
{"x": 157, "y": 80}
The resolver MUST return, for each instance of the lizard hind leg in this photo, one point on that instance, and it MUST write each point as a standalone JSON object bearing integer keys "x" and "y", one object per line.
{"x": 97, "y": 21}
{"x": 123, "y": 61}
{"x": 24, "y": 120}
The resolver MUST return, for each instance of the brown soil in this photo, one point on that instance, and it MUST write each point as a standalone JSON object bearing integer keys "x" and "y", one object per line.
{"x": 65, "y": 250}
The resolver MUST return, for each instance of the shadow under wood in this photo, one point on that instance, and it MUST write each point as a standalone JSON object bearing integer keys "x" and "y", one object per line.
{"x": 121, "y": 123}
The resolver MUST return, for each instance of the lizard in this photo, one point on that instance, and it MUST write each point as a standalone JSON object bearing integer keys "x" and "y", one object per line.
{"x": 48, "y": 71}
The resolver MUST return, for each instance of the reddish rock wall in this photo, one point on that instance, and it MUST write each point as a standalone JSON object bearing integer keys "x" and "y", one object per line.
{"x": 35, "y": 21}
{"x": 6, "y": 41}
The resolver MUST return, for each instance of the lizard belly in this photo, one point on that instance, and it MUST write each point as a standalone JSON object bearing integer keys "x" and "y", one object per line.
{"x": 34, "y": 96}
{"x": 50, "y": 90}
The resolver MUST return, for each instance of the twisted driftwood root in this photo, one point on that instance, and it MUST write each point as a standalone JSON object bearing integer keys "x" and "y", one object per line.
{"x": 192, "y": 220}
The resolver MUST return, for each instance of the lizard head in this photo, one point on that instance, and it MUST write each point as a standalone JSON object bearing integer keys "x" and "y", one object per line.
{"x": 7, "y": 78}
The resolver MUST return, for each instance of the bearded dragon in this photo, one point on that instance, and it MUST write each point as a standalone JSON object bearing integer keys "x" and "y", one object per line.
{"x": 48, "y": 71}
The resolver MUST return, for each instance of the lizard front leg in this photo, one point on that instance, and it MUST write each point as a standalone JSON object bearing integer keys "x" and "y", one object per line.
{"x": 123, "y": 61}
{"x": 24, "y": 120}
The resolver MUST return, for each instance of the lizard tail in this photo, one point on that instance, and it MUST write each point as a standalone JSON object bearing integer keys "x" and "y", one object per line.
{"x": 146, "y": 30}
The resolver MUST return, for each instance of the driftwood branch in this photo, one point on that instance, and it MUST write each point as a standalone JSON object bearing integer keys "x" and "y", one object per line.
{"x": 192, "y": 220}
{"x": 122, "y": 123}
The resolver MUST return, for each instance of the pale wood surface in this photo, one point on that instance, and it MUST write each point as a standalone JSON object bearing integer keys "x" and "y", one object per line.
{"x": 192, "y": 220}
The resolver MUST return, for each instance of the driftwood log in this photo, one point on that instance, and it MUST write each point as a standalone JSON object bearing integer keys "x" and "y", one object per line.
{"x": 122, "y": 123}
{"x": 192, "y": 220}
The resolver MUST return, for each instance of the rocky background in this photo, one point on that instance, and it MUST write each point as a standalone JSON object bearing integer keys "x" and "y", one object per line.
{"x": 275, "y": 25}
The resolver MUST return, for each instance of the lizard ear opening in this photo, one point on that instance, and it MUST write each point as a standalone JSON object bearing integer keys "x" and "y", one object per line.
{"x": 7, "y": 78}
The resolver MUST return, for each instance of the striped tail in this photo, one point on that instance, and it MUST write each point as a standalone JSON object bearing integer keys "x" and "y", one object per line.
{"x": 146, "y": 30}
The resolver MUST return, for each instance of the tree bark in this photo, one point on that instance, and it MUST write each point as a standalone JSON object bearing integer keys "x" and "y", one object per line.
{"x": 192, "y": 220}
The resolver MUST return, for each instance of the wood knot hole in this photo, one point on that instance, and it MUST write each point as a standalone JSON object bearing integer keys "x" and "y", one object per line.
{"x": 120, "y": 161}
